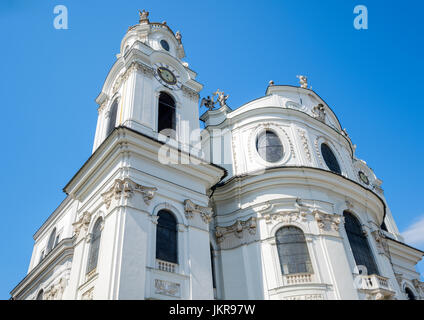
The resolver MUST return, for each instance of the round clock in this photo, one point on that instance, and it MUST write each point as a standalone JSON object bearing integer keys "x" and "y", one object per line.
{"x": 363, "y": 178}
{"x": 166, "y": 75}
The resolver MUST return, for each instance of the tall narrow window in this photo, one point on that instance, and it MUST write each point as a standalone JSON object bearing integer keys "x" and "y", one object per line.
{"x": 293, "y": 251}
{"x": 166, "y": 237}
{"x": 359, "y": 243}
{"x": 330, "y": 159}
{"x": 51, "y": 243}
{"x": 166, "y": 115}
{"x": 213, "y": 268}
{"x": 40, "y": 295}
{"x": 93, "y": 255}
{"x": 112, "y": 117}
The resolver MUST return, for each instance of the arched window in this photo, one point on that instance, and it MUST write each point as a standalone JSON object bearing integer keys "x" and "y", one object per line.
{"x": 409, "y": 294}
{"x": 166, "y": 115}
{"x": 40, "y": 295}
{"x": 330, "y": 159}
{"x": 359, "y": 243}
{"x": 93, "y": 255}
{"x": 269, "y": 146}
{"x": 293, "y": 251}
{"x": 112, "y": 117}
{"x": 52, "y": 239}
{"x": 166, "y": 237}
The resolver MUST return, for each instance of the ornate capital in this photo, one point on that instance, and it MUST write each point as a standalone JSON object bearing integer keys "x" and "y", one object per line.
{"x": 125, "y": 189}
{"x": 237, "y": 229}
{"x": 190, "y": 208}
{"x": 327, "y": 221}
{"x": 81, "y": 226}
{"x": 382, "y": 245}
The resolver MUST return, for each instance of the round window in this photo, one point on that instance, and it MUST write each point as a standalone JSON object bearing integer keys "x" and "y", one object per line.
{"x": 269, "y": 146}
{"x": 164, "y": 45}
{"x": 330, "y": 159}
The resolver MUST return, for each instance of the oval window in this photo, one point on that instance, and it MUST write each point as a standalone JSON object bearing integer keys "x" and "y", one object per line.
{"x": 330, "y": 159}
{"x": 164, "y": 45}
{"x": 269, "y": 146}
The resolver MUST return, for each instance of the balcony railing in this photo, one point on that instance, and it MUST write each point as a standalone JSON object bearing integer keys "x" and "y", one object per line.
{"x": 373, "y": 281}
{"x": 166, "y": 266}
{"x": 297, "y": 278}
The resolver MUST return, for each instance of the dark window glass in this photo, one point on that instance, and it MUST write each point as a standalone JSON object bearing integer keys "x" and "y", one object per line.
{"x": 269, "y": 146}
{"x": 383, "y": 226}
{"x": 409, "y": 293}
{"x": 40, "y": 295}
{"x": 359, "y": 243}
{"x": 213, "y": 269}
{"x": 51, "y": 243}
{"x": 292, "y": 251}
{"x": 112, "y": 117}
{"x": 164, "y": 45}
{"x": 166, "y": 237}
{"x": 166, "y": 119}
{"x": 330, "y": 159}
{"x": 93, "y": 255}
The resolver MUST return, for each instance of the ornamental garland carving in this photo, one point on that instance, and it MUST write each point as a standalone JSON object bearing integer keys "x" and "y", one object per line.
{"x": 236, "y": 229}
{"x": 167, "y": 288}
{"x": 190, "y": 208}
{"x": 125, "y": 189}
{"x": 305, "y": 144}
{"x": 81, "y": 226}
{"x": 55, "y": 291}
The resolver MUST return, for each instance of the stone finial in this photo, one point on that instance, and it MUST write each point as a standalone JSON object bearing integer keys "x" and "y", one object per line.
{"x": 143, "y": 16}
{"x": 303, "y": 81}
{"x": 164, "y": 23}
{"x": 271, "y": 83}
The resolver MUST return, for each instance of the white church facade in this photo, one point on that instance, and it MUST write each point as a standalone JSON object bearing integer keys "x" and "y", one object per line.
{"x": 268, "y": 201}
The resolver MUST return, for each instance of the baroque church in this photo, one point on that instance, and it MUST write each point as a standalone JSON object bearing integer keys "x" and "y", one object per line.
{"x": 268, "y": 201}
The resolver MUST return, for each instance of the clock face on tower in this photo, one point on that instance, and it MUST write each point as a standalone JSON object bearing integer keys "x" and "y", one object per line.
{"x": 167, "y": 76}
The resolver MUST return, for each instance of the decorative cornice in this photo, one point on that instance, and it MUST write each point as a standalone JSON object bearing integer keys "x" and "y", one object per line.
{"x": 236, "y": 228}
{"x": 190, "y": 208}
{"x": 125, "y": 189}
{"x": 193, "y": 95}
{"x": 134, "y": 66}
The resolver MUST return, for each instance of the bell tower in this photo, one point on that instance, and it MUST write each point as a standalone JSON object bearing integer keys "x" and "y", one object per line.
{"x": 150, "y": 89}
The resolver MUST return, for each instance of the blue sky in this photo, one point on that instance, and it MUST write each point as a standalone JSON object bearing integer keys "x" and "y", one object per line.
{"x": 371, "y": 78}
